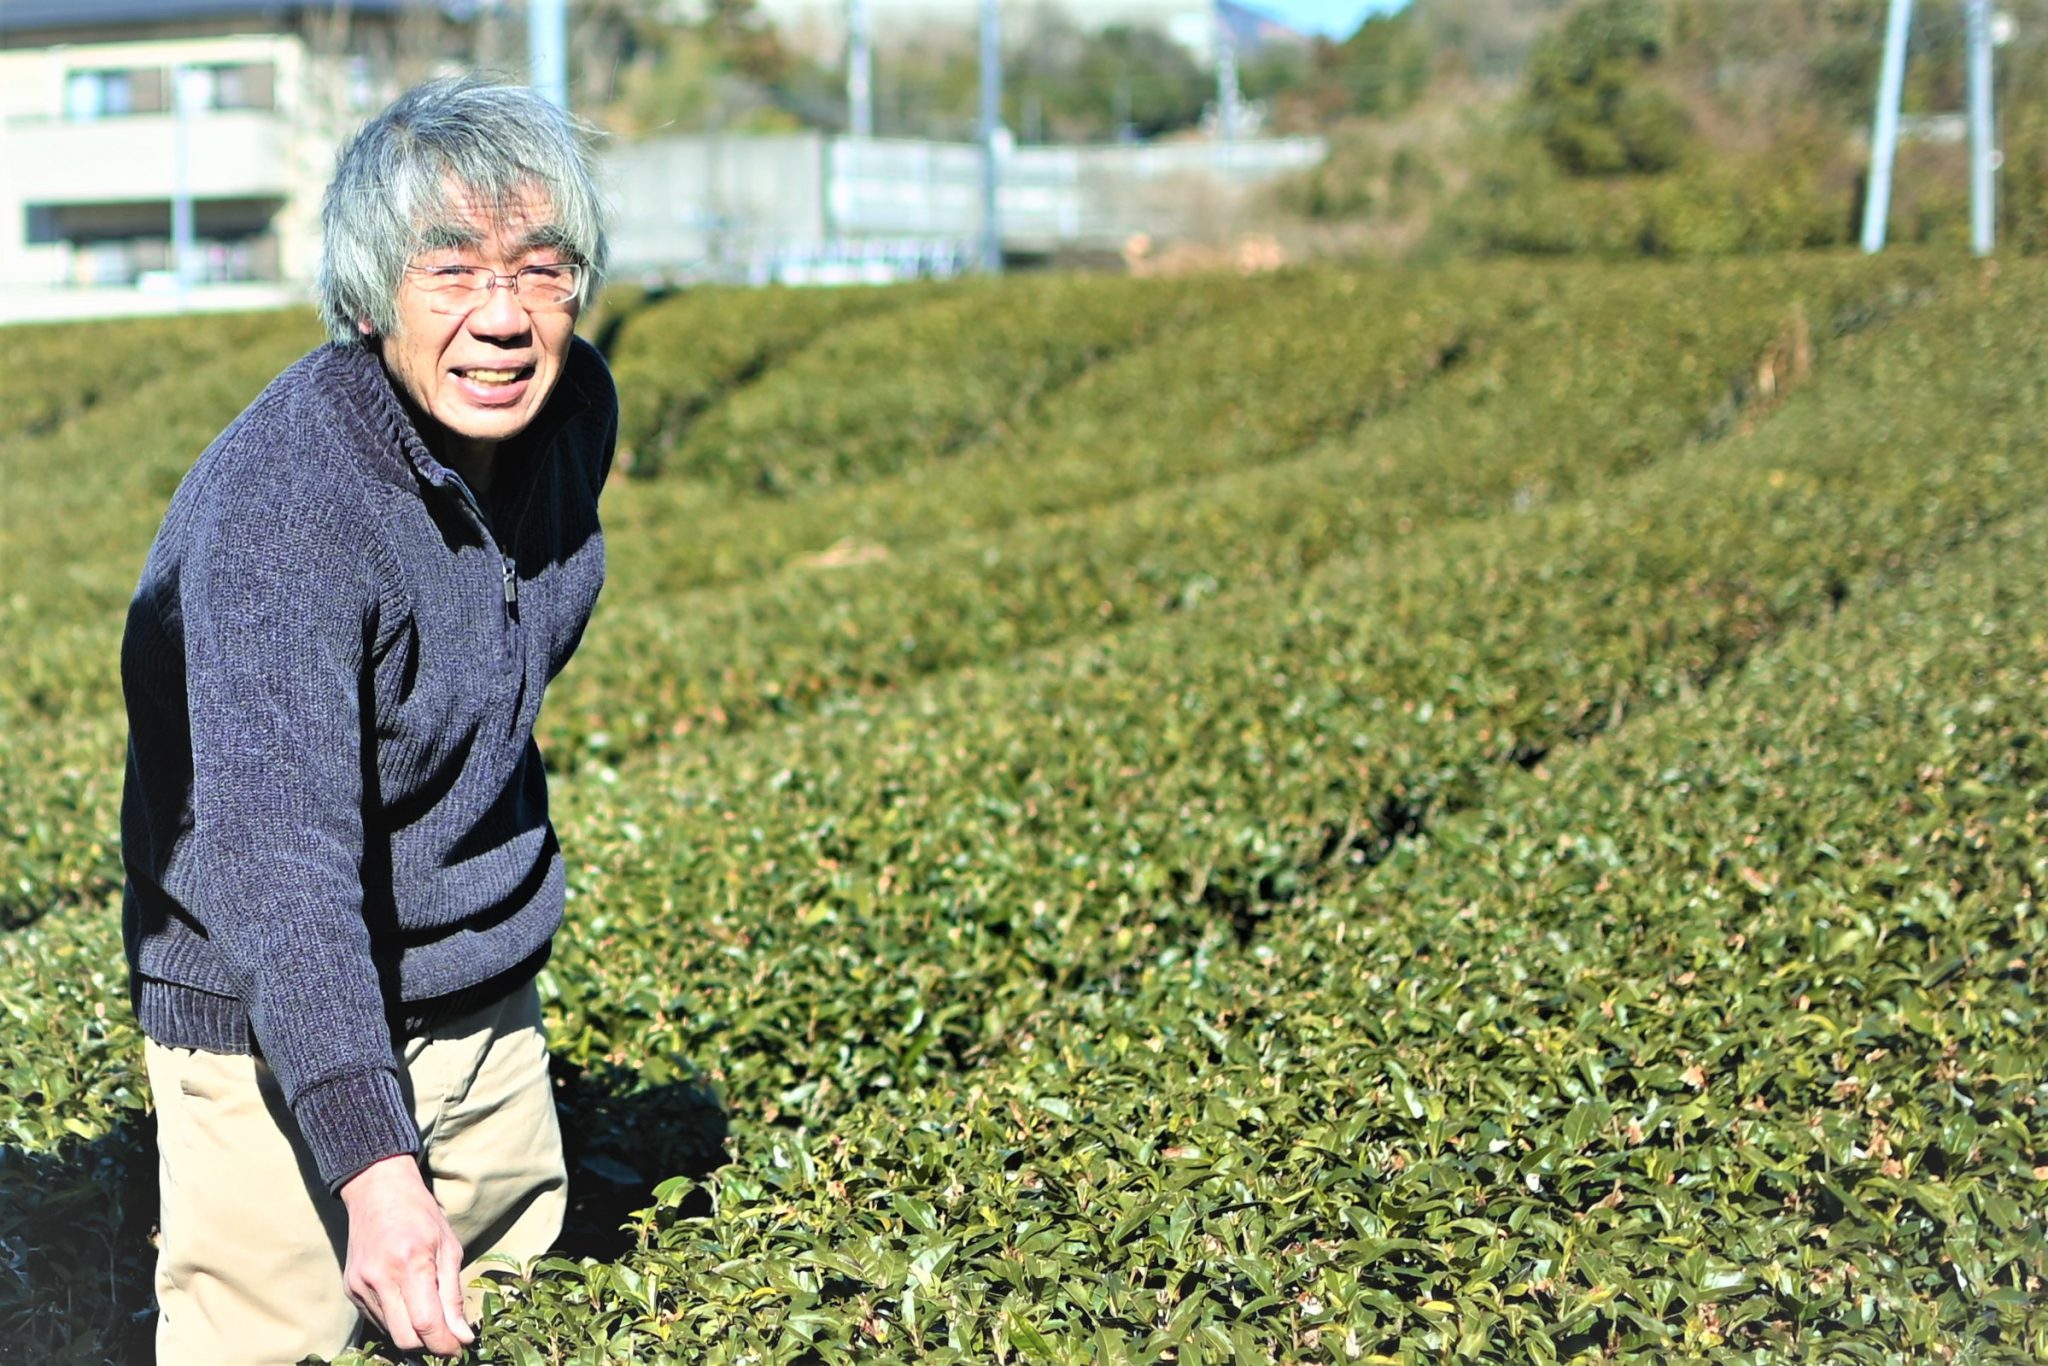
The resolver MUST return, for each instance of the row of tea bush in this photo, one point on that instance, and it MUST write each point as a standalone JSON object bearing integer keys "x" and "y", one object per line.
{"x": 1485, "y": 816}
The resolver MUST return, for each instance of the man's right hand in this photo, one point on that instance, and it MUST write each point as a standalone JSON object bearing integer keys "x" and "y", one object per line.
{"x": 404, "y": 1260}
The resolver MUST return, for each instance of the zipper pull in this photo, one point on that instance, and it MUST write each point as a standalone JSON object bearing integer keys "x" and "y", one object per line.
{"x": 511, "y": 586}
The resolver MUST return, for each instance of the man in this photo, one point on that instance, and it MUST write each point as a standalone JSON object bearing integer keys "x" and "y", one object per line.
{"x": 341, "y": 874}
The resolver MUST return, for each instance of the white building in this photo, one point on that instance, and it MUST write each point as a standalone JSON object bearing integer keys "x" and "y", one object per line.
{"x": 113, "y": 113}
{"x": 97, "y": 145}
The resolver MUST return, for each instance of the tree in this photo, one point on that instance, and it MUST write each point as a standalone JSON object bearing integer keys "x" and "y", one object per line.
{"x": 728, "y": 69}
{"x": 1060, "y": 84}
{"x": 1162, "y": 88}
{"x": 1382, "y": 69}
{"x": 1588, "y": 97}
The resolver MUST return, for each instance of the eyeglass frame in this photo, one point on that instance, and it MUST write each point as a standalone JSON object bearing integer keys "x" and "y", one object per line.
{"x": 475, "y": 296}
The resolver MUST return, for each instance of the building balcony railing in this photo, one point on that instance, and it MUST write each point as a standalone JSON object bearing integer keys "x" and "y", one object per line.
{"x": 241, "y": 153}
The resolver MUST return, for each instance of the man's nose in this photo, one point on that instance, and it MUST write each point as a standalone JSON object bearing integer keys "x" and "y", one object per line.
{"x": 502, "y": 313}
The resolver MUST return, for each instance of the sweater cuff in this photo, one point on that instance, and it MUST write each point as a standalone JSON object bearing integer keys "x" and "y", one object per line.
{"x": 352, "y": 1121}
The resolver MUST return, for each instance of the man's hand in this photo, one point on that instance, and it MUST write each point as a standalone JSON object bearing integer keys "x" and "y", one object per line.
{"x": 404, "y": 1260}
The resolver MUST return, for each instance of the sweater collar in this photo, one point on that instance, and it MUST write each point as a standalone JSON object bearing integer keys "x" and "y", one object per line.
{"x": 365, "y": 397}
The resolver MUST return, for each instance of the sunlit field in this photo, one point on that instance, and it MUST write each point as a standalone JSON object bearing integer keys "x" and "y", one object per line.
{"x": 1489, "y": 814}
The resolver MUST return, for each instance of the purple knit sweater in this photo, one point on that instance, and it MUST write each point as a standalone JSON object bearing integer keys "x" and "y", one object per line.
{"x": 335, "y": 822}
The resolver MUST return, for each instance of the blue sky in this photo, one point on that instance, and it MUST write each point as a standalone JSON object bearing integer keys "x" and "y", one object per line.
{"x": 1334, "y": 17}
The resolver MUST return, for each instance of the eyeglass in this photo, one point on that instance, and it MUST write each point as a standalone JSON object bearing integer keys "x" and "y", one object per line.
{"x": 460, "y": 289}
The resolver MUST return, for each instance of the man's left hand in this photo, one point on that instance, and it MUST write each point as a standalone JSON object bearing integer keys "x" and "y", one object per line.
{"x": 404, "y": 1260}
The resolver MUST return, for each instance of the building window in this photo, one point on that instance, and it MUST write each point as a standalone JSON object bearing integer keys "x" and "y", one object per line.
{"x": 249, "y": 85}
{"x": 127, "y": 243}
{"x": 148, "y": 90}
{"x": 42, "y": 229}
{"x": 110, "y": 94}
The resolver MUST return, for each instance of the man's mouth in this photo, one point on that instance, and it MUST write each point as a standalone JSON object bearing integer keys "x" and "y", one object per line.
{"x": 484, "y": 374}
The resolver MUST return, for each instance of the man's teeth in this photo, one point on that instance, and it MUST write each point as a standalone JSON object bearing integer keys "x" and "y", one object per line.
{"x": 492, "y": 376}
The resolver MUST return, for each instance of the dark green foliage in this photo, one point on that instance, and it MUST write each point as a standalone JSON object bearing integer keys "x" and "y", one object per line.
{"x": 1623, "y": 361}
{"x": 2023, "y": 134}
{"x": 1071, "y": 936}
{"x": 674, "y": 358}
{"x": 1588, "y": 99}
{"x": 721, "y": 68}
{"x": 1490, "y": 816}
{"x": 65, "y": 369}
{"x": 1487, "y": 39}
{"x": 1382, "y": 69}
{"x": 1222, "y": 390}
{"x": 1066, "y": 83}
{"x": 1361, "y": 175}
{"x": 1139, "y": 74}
{"x": 1744, "y": 206}
{"x": 1687, "y": 128}
{"x": 916, "y": 384}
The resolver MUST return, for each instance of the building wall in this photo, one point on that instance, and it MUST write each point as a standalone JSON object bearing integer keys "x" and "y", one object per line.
{"x": 688, "y": 200}
{"x": 90, "y": 156}
{"x": 89, "y": 170}
{"x": 714, "y": 206}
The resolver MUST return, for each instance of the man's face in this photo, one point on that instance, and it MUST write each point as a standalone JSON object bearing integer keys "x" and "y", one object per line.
{"x": 481, "y": 376}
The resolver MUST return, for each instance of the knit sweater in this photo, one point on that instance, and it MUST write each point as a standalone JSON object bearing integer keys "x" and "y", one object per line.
{"x": 335, "y": 820}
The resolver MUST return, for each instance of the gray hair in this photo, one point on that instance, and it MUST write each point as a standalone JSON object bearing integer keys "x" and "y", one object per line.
{"x": 400, "y": 181}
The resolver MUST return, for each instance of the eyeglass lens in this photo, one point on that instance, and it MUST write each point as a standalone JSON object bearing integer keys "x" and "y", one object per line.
{"x": 465, "y": 287}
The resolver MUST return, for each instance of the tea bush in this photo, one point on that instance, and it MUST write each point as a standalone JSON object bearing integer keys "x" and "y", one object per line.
{"x": 912, "y": 386}
{"x": 64, "y": 369}
{"x": 674, "y": 358}
{"x": 1019, "y": 958}
{"x": 1563, "y": 394}
{"x": 1305, "y": 728}
{"x": 1616, "y": 1068}
{"x": 87, "y": 496}
{"x": 1239, "y": 388}
{"x": 1491, "y": 816}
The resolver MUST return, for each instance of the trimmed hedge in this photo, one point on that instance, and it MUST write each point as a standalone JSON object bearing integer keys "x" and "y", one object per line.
{"x": 675, "y": 358}
{"x": 1559, "y": 397}
{"x": 1573, "y": 899}
{"x": 1233, "y": 757}
{"x": 916, "y": 903}
{"x": 66, "y": 369}
{"x": 1318, "y": 355}
{"x": 89, "y": 495}
{"x": 1641, "y": 1062}
{"x": 915, "y": 385}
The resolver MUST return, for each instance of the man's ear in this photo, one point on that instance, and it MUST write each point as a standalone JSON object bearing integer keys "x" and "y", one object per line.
{"x": 363, "y": 325}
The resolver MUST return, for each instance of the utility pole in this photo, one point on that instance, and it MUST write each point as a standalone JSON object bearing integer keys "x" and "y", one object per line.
{"x": 860, "y": 71}
{"x": 991, "y": 125}
{"x": 185, "y": 101}
{"x": 1884, "y": 135}
{"x": 1983, "y": 156}
{"x": 1229, "y": 97}
{"x": 547, "y": 46}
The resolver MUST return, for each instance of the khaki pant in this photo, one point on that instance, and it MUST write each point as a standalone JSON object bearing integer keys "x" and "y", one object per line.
{"x": 249, "y": 1268}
